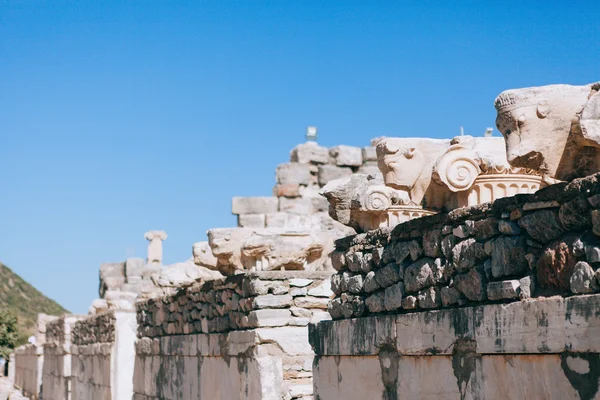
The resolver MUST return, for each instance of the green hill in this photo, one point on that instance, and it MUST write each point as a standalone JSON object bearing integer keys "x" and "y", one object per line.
{"x": 24, "y": 301}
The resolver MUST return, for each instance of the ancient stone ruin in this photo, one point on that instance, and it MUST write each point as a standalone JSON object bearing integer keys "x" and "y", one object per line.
{"x": 462, "y": 268}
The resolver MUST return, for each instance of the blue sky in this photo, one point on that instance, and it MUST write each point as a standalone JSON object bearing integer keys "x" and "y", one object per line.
{"x": 118, "y": 117}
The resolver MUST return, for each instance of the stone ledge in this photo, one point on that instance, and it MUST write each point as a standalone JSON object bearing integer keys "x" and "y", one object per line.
{"x": 535, "y": 326}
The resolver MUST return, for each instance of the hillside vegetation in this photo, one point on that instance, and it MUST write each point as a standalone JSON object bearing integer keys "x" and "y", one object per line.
{"x": 24, "y": 301}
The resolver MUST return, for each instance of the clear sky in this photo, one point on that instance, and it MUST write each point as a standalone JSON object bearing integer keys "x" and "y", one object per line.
{"x": 119, "y": 117}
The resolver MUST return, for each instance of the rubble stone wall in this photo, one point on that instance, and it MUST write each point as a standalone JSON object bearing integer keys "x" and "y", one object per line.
{"x": 516, "y": 248}
{"x": 28, "y": 370}
{"x": 103, "y": 355}
{"x": 250, "y": 327}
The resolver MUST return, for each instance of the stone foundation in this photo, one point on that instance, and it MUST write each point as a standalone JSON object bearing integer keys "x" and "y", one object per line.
{"x": 103, "y": 354}
{"x": 29, "y": 360}
{"x": 544, "y": 348}
{"x": 250, "y": 328}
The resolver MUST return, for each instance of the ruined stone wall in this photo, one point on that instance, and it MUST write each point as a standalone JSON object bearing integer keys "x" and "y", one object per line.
{"x": 28, "y": 370}
{"x": 494, "y": 301}
{"x": 103, "y": 356}
{"x": 513, "y": 249}
{"x": 250, "y": 328}
{"x": 56, "y": 370}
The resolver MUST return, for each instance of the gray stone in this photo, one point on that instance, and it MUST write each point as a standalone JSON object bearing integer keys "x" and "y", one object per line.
{"x": 399, "y": 251}
{"x": 272, "y": 301}
{"x": 253, "y": 205}
{"x": 543, "y": 226}
{"x": 447, "y": 244}
{"x": 592, "y": 253}
{"x": 338, "y": 260}
{"x": 527, "y": 286}
{"x": 503, "y": 290}
{"x": 376, "y": 302}
{"x": 291, "y": 173}
{"x": 355, "y": 284}
{"x": 393, "y": 296}
{"x": 486, "y": 228}
{"x": 389, "y": 275}
{"x": 358, "y": 261}
{"x": 310, "y": 152}
{"x": 432, "y": 243}
{"x": 441, "y": 271}
{"x": 583, "y": 279}
{"x": 472, "y": 285}
{"x": 467, "y": 254}
{"x": 328, "y": 173}
{"x": 419, "y": 275}
{"x": 463, "y": 231}
{"x": 578, "y": 248}
{"x": 370, "y": 284}
{"x": 575, "y": 214}
{"x": 347, "y": 156}
{"x": 508, "y": 256}
{"x": 345, "y": 278}
{"x": 335, "y": 308}
{"x": 336, "y": 281}
{"x": 449, "y": 296}
{"x": 508, "y": 227}
{"x": 429, "y": 298}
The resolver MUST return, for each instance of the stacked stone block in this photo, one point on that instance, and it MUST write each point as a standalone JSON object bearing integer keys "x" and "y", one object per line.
{"x": 296, "y": 194}
{"x": 258, "y": 319}
{"x": 515, "y": 248}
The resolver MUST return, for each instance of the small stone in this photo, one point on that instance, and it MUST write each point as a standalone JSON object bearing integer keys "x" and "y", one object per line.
{"x": 578, "y": 248}
{"x": 527, "y": 286}
{"x": 429, "y": 298}
{"x": 592, "y": 253}
{"x": 300, "y": 282}
{"x": 446, "y": 229}
{"x": 338, "y": 260}
{"x": 594, "y": 200}
{"x": 449, "y": 296}
{"x": 447, "y": 244}
{"x": 389, "y": 275}
{"x": 575, "y": 214}
{"x": 359, "y": 261}
{"x": 508, "y": 227}
{"x": 344, "y": 281}
{"x": 515, "y": 214}
{"x": 355, "y": 284}
{"x": 503, "y": 290}
{"x": 596, "y": 222}
{"x": 466, "y": 254}
{"x": 310, "y": 152}
{"x": 419, "y": 275}
{"x": 508, "y": 256}
{"x": 300, "y": 312}
{"x": 322, "y": 290}
{"x": 432, "y": 243}
{"x": 461, "y": 231}
{"x": 370, "y": 284}
{"x": 335, "y": 284}
{"x": 583, "y": 279}
{"x": 346, "y": 155}
{"x": 409, "y": 302}
{"x": 543, "y": 226}
{"x": 486, "y": 228}
{"x": 538, "y": 205}
{"x": 298, "y": 292}
{"x": 377, "y": 256}
{"x": 473, "y": 284}
{"x": 311, "y": 302}
{"x": 335, "y": 308}
{"x": 376, "y": 302}
{"x": 393, "y": 296}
